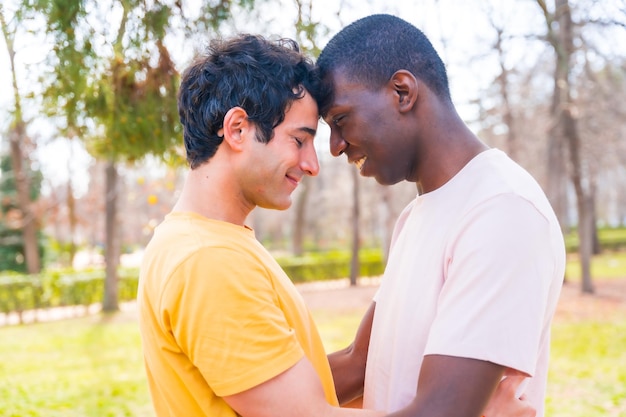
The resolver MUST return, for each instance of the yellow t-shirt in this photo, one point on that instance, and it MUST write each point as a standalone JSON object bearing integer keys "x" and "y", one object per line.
{"x": 218, "y": 316}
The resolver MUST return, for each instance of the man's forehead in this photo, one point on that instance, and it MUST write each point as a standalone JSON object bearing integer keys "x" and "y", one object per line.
{"x": 302, "y": 115}
{"x": 345, "y": 91}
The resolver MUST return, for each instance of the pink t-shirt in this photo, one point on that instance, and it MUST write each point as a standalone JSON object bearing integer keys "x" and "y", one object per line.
{"x": 475, "y": 270}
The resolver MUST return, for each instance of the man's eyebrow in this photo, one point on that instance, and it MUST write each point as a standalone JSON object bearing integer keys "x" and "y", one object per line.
{"x": 308, "y": 130}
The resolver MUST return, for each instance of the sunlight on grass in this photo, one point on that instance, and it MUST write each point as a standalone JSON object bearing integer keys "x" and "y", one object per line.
{"x": 74, "y": 368}
{"x": 587, "y": 369}
{"x": 337, "y": 331}
{"x": 608, "y": 265}
{"x": 92, "y": 367}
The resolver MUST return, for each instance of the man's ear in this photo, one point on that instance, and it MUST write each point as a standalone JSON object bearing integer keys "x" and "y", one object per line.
{"x": 405, "y": 86}
{"x": 236, "y": 127}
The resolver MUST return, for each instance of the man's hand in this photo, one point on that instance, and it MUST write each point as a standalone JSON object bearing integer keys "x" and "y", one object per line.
{"x": 504, "y": 402}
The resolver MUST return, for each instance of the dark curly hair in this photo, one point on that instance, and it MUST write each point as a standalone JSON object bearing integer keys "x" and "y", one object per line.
{"x": 259, "y": 75}
{"x": 373, "y": 48}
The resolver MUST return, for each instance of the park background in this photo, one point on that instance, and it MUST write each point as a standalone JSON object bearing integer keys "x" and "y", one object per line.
{"x": 91, "y": 161}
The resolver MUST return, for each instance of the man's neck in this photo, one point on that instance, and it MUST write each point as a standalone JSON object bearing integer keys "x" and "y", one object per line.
{"x": 210, "y": 193}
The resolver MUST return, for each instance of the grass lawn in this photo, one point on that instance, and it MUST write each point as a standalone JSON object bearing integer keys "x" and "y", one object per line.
{"x": 92, "y": 366}
{"x": 82, "y": 367}
{"x": 588, "y": 361}
{"x": 588, "y": 369}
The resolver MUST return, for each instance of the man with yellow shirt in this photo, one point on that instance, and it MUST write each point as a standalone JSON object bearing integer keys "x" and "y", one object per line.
{"x": 224, "y": 331}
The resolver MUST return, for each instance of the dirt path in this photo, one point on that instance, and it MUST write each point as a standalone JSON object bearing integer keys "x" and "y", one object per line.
{"x": 339, "y": 295}
{"x": 608, "y": 302}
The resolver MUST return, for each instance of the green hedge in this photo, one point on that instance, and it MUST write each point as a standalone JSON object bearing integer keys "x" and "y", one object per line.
{"x": 610, "y": 238}
{"x": 331, "y": 265}
{"x": 20, "y": 293}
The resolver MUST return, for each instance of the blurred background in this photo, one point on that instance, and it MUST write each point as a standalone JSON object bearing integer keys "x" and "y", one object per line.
{"x": 91, "y": 160}
{"x": 90, "y": 146}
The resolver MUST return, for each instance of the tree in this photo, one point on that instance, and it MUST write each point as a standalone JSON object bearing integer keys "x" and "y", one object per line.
{"x": 18, "y": 139}
{"x": 564, "y": 36}
{"x": 12, "y": 240}
{"x": 307, "y": 35}
{"x": 516, "y": 106}
{"x": 114, "y": 85}
{"x": 355, "y": 264}
{"x": 601, "y": 94}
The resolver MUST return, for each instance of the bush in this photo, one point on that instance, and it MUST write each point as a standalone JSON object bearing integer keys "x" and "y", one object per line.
{"x": 611, "y": 238}
{"x": 331, "y": 265}
{"x": 56, "y": 288}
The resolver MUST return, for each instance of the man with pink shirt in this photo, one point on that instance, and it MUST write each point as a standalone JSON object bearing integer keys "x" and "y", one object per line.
{"x": 477, "y": 258}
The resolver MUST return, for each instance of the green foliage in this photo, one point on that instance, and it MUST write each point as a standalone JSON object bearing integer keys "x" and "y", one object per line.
{"x": 11, "y": 237}
{"x": 139, "y": 110}
{"x": 11, "y": 249}
{"x": 91, "y": 366}
{"x": 587, "y": 375}
{"x": 64, "y": 288}
{"x": 119, "y": 94}
{"x": 611, "y": 238}
{"x": 8, "y": 189}
{"x": 607, "y": 265}
{"x": 331, "y": 265}
{"x": 65, "y": 91}
{"x": 587, "y": 365}
{"x": 19, "y": 293}
{"x": 54, "y": 288}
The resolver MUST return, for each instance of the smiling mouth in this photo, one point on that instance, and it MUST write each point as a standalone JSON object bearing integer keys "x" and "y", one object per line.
{"x": 293, "y": 180}
{"x": 359, "y": 162}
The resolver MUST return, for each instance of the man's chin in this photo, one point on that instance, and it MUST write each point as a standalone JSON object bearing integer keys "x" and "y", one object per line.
{"x": 382, "y": 180}
{"x": 277, "y": 205}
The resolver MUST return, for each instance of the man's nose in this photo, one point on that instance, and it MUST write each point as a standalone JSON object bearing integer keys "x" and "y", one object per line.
{"x": 337, "y": 144}
{"x": 309, "y": 162}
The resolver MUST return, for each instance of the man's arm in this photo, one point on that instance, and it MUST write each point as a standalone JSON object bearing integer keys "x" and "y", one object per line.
{"x": 297, "y": 392}
{"x": 468, "y": 377}
{"x": 462, "y": 387}
{"x": 453, "y": 386}
{"x": 348, "y": 365}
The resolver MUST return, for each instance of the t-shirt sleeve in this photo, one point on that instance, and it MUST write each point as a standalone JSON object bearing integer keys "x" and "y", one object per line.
{"x": 228, "y": 321}
{"x": 497, "y": 276}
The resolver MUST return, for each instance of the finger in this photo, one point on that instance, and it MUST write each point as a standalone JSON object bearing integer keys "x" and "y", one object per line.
{"x": 513, "y": 383}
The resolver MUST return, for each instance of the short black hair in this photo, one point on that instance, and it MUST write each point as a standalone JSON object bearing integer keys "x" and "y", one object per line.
{"x": 370, "y": 50}
{"x": 261, "y": 76}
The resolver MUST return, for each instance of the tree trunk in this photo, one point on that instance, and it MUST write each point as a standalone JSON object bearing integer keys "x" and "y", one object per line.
{"x": 503, "y": 82}
{"x": 563, "y": 106}
{"x": 355, "y": 265}
{"x": 18, "y": 138}
{"x": 71, "y": 209}
{"x": 570, "y": 130}
{"x": 389, "y": 219}
{"x": 585, "y": 249}
{"x": 556, "y": 188}
{"x": 22, "y": 185}
{"x": 300, "y": 216}
{"x": 557, "y": 151}
{"x": 112, "y": 250}
{"x": 583, "y": 199}
{"x": 595, "y": 239}
{"x": 560, "y": 37}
